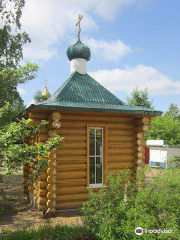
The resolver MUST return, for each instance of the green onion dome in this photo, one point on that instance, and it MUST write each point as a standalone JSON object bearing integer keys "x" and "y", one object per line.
{"x": 79, "y": 50}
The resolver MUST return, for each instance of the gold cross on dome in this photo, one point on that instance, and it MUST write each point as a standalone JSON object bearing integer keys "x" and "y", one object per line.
{"x": 78, "y": 24}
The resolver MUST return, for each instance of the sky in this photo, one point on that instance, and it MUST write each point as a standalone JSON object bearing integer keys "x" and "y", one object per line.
{"x": 134, "y": 43}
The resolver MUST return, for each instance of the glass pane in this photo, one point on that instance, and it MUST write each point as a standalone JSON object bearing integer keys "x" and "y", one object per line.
{"x": 99, "y": 170}
{"x": 92, "y": 146}
{"x": 92, "y": 170}
{"x": 99, "y": 142}
{"x": 92, "y": 132}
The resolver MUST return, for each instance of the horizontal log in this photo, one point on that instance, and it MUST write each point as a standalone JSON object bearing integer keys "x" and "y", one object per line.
{"x": 142, "y": 121}
{"x": 67, "y": 168}
{"x": 71, "y": 190}
{"x": 121, "y": 165}
{"x": 71, "y": 152}
{"x": 121, "y": 138}
{"x": 114, "y": 132}
{"x": 43, "y": 176}
{"x": 120, "y": 158}
{"x": 56, "y": 116}
{"x": 73, "y": 124}
{"x": 42, "y": 208}
{"x": 79, "y": 124}
{"x": 71, "y": 131}
{"x": 75, "y": 138}
{"x": 37, "y": 115}
{"x": 68, "y": 175}
{"x": 71, "y": 159}
{"x": 68, "y": 205}
{"x": 96, "y": 118}
{"x": 68, "y": 183}
{"x": 72, "y": 197}
{"x": 120, "y": 145}
{"x": 72, "y": 145}
{"x": 121, "y": 151}
{"x": 42, "y": 184}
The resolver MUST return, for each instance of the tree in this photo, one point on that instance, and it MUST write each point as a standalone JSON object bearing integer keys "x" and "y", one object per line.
{"x": 12, "y": 40}
{"x": 139, "y": 98}
{"x": 173, "y": 111}
{"x": 165, "y": 128}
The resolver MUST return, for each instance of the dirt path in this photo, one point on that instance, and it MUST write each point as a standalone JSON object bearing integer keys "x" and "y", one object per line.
{"x": 20, "y": 214}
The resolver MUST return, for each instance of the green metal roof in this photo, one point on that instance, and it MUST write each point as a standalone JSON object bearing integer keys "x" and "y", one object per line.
{"x": 82, "y": 93}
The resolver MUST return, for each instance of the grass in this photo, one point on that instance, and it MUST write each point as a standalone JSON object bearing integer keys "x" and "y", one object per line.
{"x": 49, "y": 233}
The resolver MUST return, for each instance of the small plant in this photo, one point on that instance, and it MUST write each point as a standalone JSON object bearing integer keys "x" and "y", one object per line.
{"x": 6, "y": 230}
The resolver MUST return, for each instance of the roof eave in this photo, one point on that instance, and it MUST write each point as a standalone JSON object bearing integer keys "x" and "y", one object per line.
{"x": 65, "y": 108}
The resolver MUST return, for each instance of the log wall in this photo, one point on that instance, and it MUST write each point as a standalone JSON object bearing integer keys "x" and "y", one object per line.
{"x": 65, "y": 184}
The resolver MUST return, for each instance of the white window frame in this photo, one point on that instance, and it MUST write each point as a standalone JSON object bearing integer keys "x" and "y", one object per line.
{"x": 96, "y": 185}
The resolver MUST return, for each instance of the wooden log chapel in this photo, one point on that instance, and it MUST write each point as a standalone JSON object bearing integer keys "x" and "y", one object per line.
{"x": 100, "y": 131}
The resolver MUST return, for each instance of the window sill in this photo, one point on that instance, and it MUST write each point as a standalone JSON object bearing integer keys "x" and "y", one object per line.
{"x": 95, "y": 185}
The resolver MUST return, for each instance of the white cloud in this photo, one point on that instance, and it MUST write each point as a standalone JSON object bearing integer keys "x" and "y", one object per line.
{"x": 49, "y": 22}
{"x": 142, "y": 76}
{"x": 21, "y": 91}
{"x": 108, "y": 50}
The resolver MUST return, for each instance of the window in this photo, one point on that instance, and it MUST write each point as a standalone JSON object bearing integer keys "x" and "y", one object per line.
{"x": 96, "y": 157}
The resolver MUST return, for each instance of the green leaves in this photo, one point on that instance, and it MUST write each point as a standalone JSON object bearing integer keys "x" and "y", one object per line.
{"x": 108, "y": 216}
{"x": 139, "y": 98}
{"x": 166, "y": 128}
{"x": 13, "y": 149}
{"x": 12, "y": 74}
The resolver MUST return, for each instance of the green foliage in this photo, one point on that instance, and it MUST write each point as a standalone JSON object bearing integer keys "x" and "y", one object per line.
{"x": 174, "y": 162}
{"x": 173, "y": 111}
{"x": 166, "y": 128}
{"x": 39, "y": 98}
{"x": 51, "y": 233}
{"x": 12, "y": 74}
{"x": 118, "y": 209}
{"x": 139, "y": 98}
{"x": 9, "y": 96}
{"x": 13, "y": 149}
{"x": 11, "y": 37}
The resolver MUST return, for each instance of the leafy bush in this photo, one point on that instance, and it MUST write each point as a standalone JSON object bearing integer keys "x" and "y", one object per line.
{"x": 118, "y": 209}
{"x": 174, "y": 162}
{"x": 50, "y": 233}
